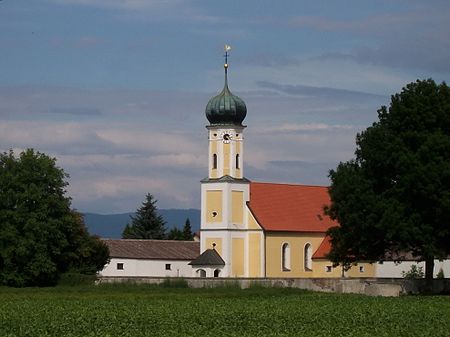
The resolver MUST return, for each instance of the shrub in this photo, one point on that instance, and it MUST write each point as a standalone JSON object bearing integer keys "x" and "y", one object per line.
{"x": 414, "y": 272}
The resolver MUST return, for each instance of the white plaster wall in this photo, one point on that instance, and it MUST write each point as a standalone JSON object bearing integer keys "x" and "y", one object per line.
{"x": 392, "y": 269}
{"x": 140, "y": 267}
{"x": 209, "y": 271}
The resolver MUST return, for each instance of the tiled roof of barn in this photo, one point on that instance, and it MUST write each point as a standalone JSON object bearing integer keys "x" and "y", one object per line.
{"x": 153, "y": 249}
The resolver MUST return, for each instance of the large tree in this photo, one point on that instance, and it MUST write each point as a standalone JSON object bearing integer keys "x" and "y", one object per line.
{"x": 394, "y": 197}
{"x": 147, "y": 223}
{"x": 40, "y": 236}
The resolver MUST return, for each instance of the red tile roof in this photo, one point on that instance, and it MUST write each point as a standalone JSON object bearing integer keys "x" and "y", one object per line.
{"x": 323, "y": 249}
{"x": 153, "y": 249}
{"x": 290, "y": 208}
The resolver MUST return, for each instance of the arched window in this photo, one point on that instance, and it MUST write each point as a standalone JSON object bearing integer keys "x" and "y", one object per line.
{"x": 216, "y": 273}
{"x": 237, "y": 161}
{"x": 201, "y": 273}
{"x": 285, "y": 257}
{"x": 214, "y": 161}
{"x": 307, "y": 254}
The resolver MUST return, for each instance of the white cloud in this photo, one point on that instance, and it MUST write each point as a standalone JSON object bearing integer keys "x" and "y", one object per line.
{"x": 161, "y": 147}
{"x": 305, "y": 127}
{"x": 345, "y": 74}
{"x": 134, "y": 5}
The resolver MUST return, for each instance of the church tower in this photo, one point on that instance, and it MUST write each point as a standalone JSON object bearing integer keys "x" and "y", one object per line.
{"x": 225, "y": 192}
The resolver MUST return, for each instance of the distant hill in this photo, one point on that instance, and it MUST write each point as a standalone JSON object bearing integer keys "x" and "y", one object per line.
{"x": 111, "y": 225}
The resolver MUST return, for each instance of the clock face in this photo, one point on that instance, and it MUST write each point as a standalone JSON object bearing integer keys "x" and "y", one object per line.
{"x": 226, "y": 137}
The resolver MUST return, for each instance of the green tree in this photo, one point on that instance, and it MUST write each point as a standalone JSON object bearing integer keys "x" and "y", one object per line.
{"x": 40, "y": 236}
{"x": 187, "y": 231}
{"x": 147, "y": 223}
{"x": 175, "y": 234}
{"x": 185, "y": 234}
{"x": 394, "y": 197}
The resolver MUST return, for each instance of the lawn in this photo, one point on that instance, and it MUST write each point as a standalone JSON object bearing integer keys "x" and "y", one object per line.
{"x": 127, "y": 310}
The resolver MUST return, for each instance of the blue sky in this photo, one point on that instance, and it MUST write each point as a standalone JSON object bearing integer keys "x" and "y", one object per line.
{"x": 116, "y": 89}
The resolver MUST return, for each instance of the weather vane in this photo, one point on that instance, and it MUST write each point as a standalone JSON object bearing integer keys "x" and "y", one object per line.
{"x": 227, "y": 48}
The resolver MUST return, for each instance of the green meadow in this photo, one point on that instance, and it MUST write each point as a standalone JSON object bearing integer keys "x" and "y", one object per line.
{"x": 130, "y": 310}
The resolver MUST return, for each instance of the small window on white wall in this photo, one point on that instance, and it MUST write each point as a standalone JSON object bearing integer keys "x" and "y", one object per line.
{"x": 361, "y": 269}
{"x": 168, "y": 266}
{"x": 307, "y": 257}
{"x": 120, "y": 266}
{"x": 286, "y": 257}
{"x": 328, "y": 269}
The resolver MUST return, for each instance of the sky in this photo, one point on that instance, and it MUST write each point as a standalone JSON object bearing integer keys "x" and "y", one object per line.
{"x": 116, "y": 90}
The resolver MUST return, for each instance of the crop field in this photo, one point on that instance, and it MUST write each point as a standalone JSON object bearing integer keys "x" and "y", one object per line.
{"x": 129, "y": 310}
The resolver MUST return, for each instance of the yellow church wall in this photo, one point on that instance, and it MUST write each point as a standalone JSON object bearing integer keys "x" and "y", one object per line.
{"x": 237, "y": 252}
{"x": 251, "y": 222}
{"x": 218, "y": 241}
{"x": 237, "y": 204}
{"x": 297, "y": 242}
{"x": 254, "y": 254}
{"x": 213, "y": 204}
{"x": 226, "y": 159}
{"x": 213, "y": 151}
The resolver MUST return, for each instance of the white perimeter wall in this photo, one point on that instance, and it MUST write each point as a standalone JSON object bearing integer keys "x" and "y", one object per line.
{"x": 392, "y": 269}
{"x": 138, "y": 267}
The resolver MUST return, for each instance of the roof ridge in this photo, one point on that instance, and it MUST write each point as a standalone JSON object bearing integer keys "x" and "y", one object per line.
{"x": 146, "y": 240}
{"x": 287, "y": 184}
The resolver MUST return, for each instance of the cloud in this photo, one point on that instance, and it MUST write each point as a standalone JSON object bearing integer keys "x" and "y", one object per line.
{"x": 315, "y": 91}
{"x": 88, "y": 42}
{"x": 414, "y": 39}
{"x": 133, "y": 5}
{"x": 309, "y": 127}
{"x": 150, "y": 10}
{"x": 76, "y": 111}
{"x": 119, "y": 145}
{"x": 382, "y": 24}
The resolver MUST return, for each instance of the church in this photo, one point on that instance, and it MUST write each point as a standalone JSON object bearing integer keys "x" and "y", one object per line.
{"x": 257, "y": 229}
{"x": 248, "y": 229}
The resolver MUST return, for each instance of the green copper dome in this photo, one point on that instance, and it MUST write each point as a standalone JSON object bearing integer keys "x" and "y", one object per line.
{"x": 226, "y": 108}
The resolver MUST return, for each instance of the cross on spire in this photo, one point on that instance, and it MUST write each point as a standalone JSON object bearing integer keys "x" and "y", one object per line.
{"x": 227, "y": 48}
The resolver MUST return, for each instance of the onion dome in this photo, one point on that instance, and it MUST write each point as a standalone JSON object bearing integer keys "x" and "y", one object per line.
{"x": 226, "y": 108}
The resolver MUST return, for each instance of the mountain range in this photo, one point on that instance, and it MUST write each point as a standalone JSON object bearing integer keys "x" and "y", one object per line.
{"x": 111, "y": 225}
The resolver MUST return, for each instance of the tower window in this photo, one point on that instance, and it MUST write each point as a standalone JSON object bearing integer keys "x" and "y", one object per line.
{"x": 237, "y": 161}
{"x": 214, "y": 161}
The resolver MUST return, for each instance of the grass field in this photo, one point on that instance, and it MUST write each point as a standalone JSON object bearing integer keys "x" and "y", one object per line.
{"x": 127, "y": 310}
